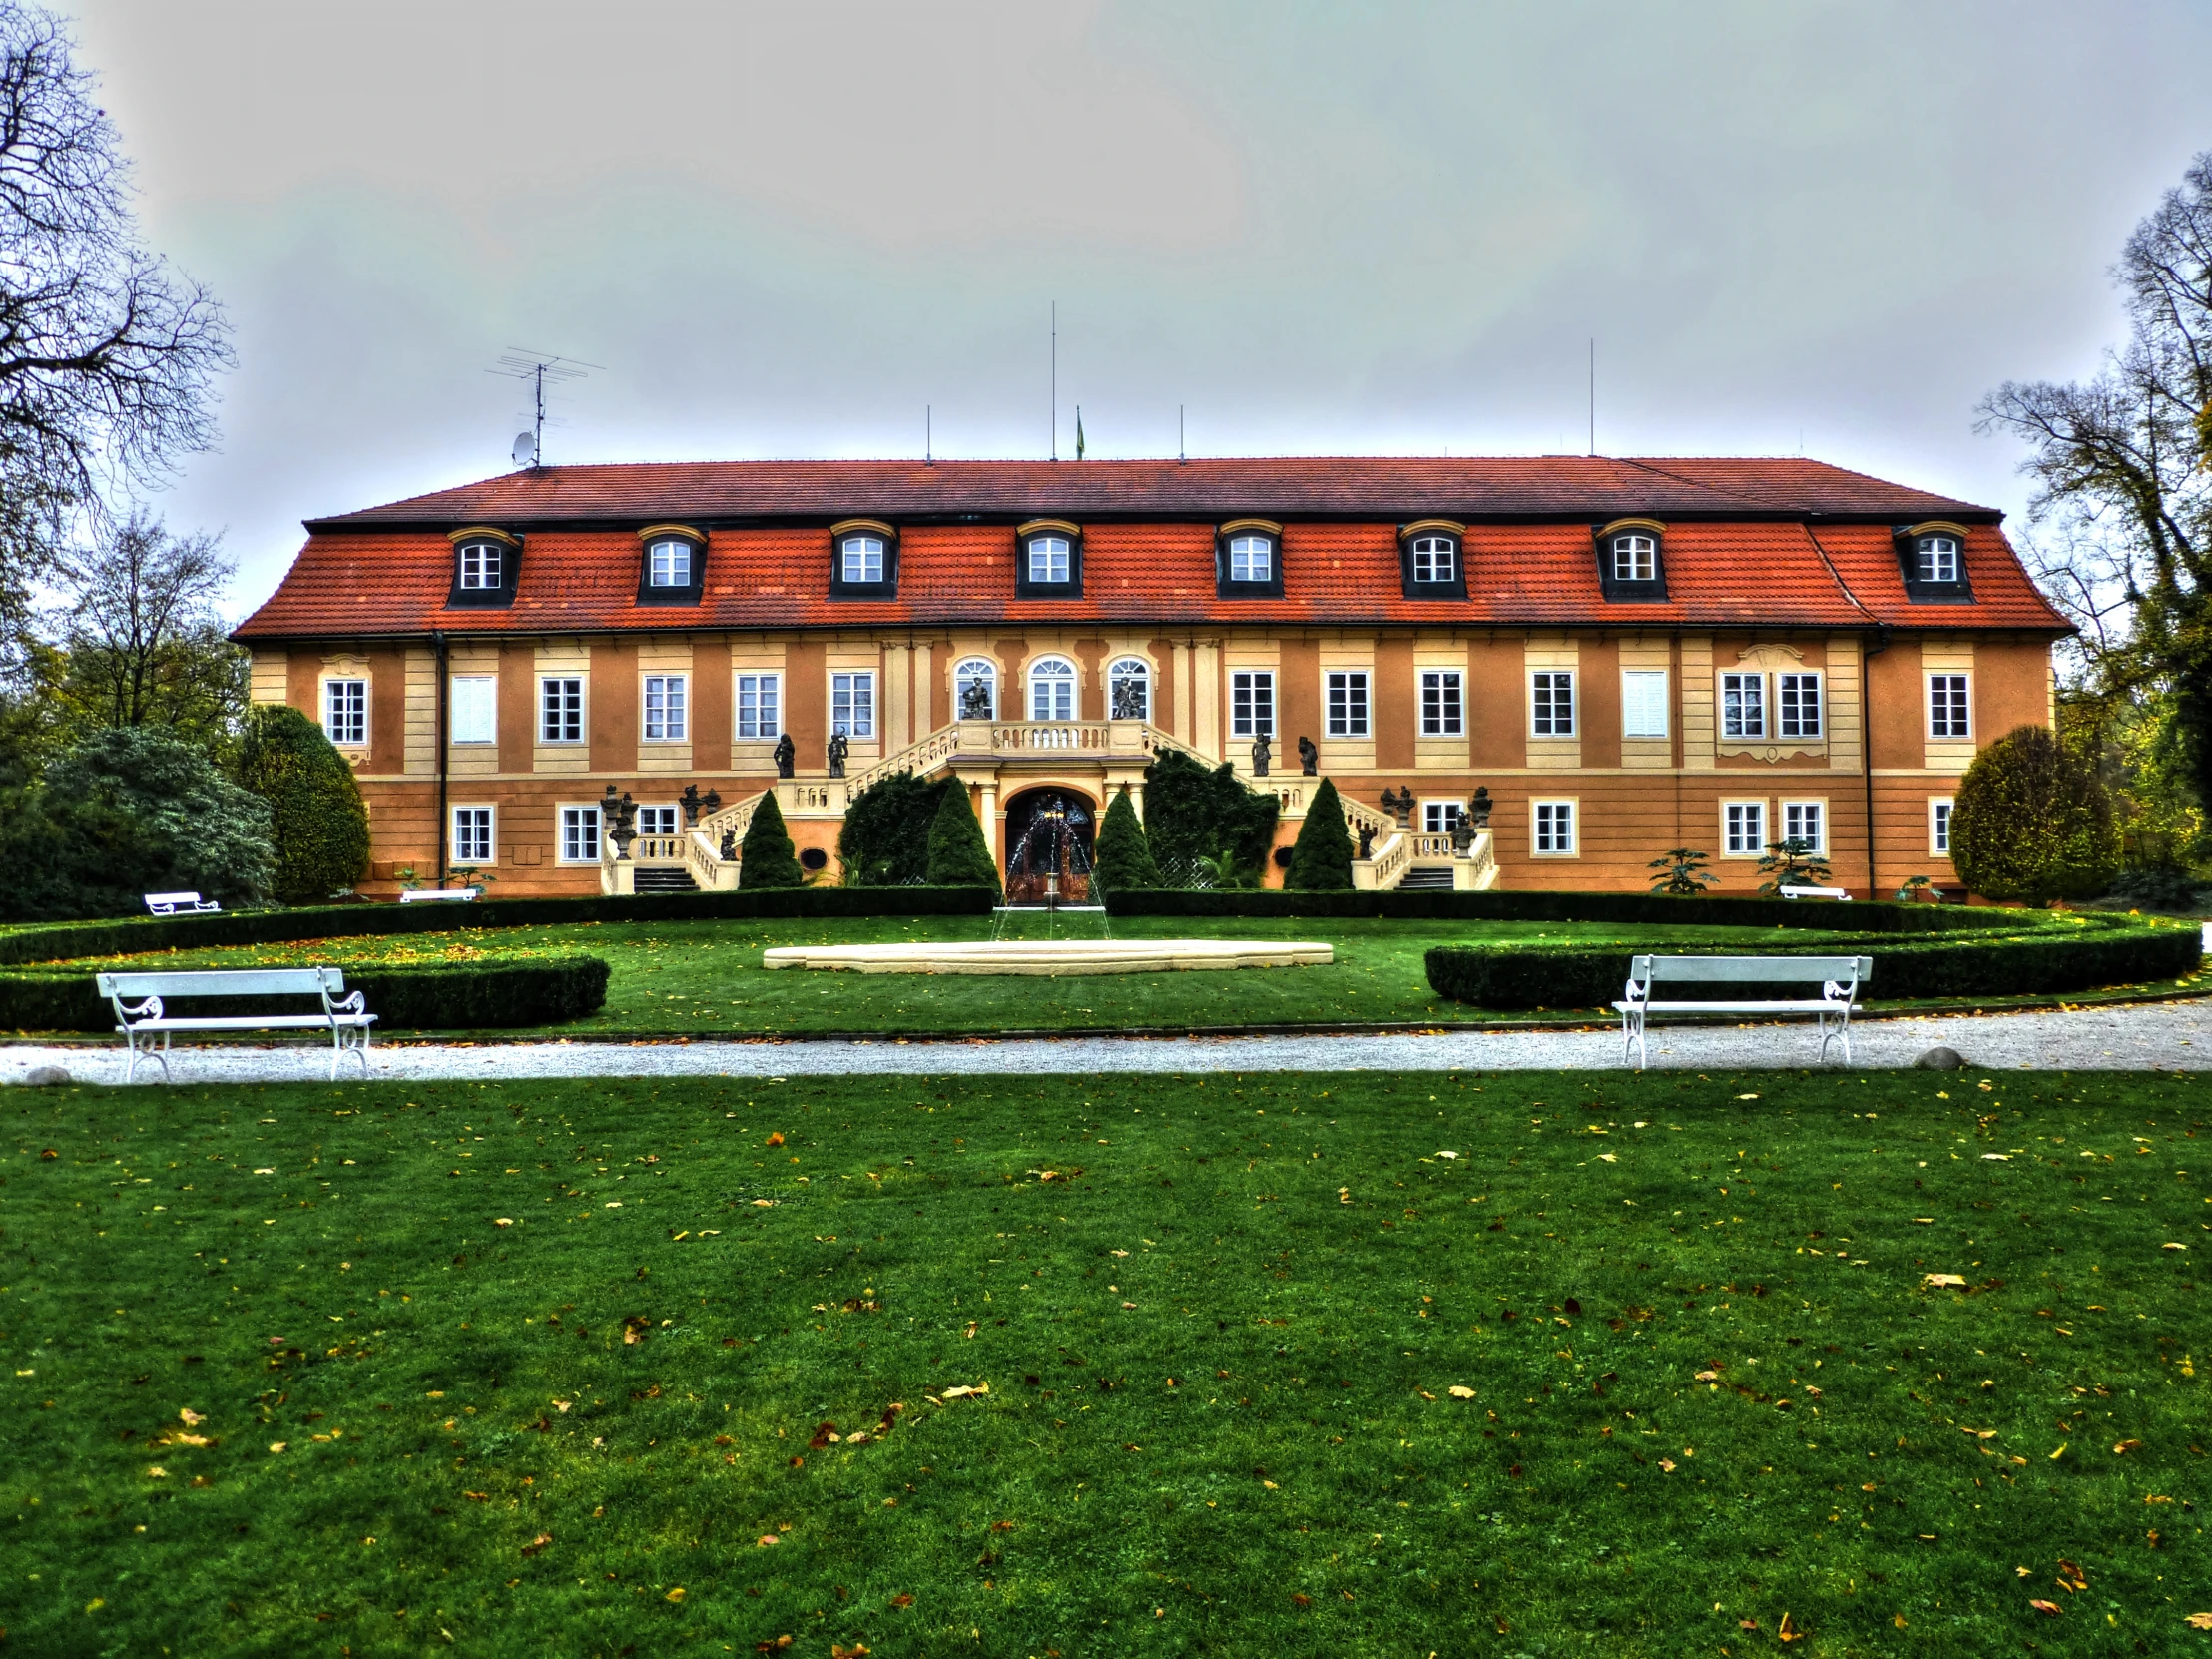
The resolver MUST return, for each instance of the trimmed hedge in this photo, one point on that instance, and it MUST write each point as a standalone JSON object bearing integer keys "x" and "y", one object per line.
{"x": 443, "y": 996}
{"x": 2102, "y": 951}
{"x": 1637, "y": 907}
{"x": 337, "y": 921}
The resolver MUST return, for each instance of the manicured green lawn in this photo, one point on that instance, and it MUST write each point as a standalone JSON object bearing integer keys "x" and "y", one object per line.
{"x": 705, "y": 977}
{"x": 1220, "y": 1346}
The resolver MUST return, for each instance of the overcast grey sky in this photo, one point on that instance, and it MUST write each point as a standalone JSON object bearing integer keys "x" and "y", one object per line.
{"x": 1348, "y": 229}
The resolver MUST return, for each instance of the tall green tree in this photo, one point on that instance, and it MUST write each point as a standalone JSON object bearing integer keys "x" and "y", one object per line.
{"x": 1123, "y": 862}
{"x": 318, "y": 820}
{"x": 1196, "y": 816}
{"x": 1320, "y": 859}
{"x": 884, "y": 842}
{"x": 958, "y": 856}
{"x": 766, "y": 858}
{"x": 2032, "y": 821}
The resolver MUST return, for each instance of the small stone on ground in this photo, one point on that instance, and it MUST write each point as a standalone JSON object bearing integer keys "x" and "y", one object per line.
{"x": 1941, "y": 1058}
{"x": 45, "y": 1077}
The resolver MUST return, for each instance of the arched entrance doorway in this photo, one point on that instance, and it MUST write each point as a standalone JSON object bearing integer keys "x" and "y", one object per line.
{"x": 1049, "y": 834}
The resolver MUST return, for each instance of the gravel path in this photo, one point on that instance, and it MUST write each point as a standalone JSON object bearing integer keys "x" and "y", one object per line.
{"x": 2137, "y": 1037}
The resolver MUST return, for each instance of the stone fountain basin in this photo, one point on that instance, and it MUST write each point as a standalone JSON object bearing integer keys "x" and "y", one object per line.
{"x": 1052, "y": 957}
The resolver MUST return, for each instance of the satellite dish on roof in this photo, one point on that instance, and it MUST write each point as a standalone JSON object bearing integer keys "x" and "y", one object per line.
{"x": 526, "y": 449}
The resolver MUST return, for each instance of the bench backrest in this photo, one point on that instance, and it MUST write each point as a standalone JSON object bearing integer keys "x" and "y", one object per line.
{"x": 313, "y": 981}
{"x": 1843, "y": 893}
{"x": 424, "y": 896}
{"x": 1797, "y": 970}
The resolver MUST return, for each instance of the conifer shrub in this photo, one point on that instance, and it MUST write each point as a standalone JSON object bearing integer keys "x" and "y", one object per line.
{"x": 1194, "y": 816}
{"x": 1123, "y": 862}
{"x": 317, "y": 822}
{"x": 1320, "y": 859}
{"x": 885, "y": 839}
{"x": 2032, "y": 821}
{"x": 765, "y": 859}
{"x": 957, "y": 856}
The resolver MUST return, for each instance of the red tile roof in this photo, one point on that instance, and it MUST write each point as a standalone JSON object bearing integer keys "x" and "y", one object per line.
{"x": 1783, "y": 543}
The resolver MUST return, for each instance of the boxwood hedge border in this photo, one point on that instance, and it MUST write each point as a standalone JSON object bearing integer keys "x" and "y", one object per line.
{"x": 1633, "y": 907}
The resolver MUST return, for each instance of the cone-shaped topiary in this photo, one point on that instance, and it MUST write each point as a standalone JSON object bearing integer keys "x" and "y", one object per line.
{"x": 317, "y": 820}
{"x": 765, "y": 861}
{"x": 2034, "y": 821}
{"x": 1124, "y": 853}
{"x": 1321, "y": 861}
{"x": 957, "y": 856}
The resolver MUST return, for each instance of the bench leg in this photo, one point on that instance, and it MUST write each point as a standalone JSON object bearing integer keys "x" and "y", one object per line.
{"x": 341, "y": 1044}
{"x": 1632, "y": 1037}
{"x": 1840, "y": 1033}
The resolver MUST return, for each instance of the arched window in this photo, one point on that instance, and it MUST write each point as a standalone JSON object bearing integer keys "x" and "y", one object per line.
{"x": 976, "y": 688}
{"x": 1250, "y": 558}
{"x": 1053, "y": 689}
{"x": 1129, "y": 690}
{"x": 1436, "y": 559}
{"x": 861, "y": 559}
{"x": 1048, "y": 558}
{"x": 1635, "y": 558}
{"x": 669, "y": 563}
{"x": 1937, "y": 558}
{"x": 481, "y": 564}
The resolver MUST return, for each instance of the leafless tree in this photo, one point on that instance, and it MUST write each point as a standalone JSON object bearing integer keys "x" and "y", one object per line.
{"x": 141, "y": 638}
{"x": 108, "y": 356}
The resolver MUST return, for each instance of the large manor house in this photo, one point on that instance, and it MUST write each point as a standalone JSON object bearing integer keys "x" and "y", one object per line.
{"x": 1519, "y": 673}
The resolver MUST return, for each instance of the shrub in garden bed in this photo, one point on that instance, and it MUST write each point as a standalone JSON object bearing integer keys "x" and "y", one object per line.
{"x": 490, "y": 993}
{"x": 1621, "y": 908}
{"x": 2068, "y": 957}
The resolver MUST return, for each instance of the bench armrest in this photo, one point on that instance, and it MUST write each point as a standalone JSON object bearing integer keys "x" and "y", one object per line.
{"x": 150, "y": 1008}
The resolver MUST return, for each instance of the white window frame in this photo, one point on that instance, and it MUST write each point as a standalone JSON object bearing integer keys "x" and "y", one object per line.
{"x": 1786, "y": 717}
{"x": 1729, "y": 836}
{"x": 664, "y": 709}
{"x": 669, "y": 563}
{"x": 1818, "y": 808}
{"x": 1443, "y": 703}
{"x": 1744, "y": 707}
{"x": 1555, "y": 827}
{"x": 1049, "y": 678}
{"x": 971, "y": 669}
{"x": 1937, "y": 558}
{"x": 1348, "y": 703}
{"x": 1252, "y": 703}
{"x": 1125, "y": 671}
{"x": 1548, "y": 689}
{"x": 554, "y": 726}
{"x": 477, "y": 818}
{"x": 1940, "y": 811}
{"x": 852, "y": 702}
{"x": 756, "y": 705}
{"x": 1252, "y": 558}
{"x": 1436, "y": 559}
{"x": 1051, "y": 559}
{"x": 1635, "y": 557}
{"x": 1631, "y": 680}
{"x": 578, "y": 826}
{"x": 1947, "y": 730}
{"x": 346, "y": 723}
{"x": 861, "y": 559}
{"x": 472, "y": 714}
{"x": 483, "y": 563}
{"x": 1438, "y": 818}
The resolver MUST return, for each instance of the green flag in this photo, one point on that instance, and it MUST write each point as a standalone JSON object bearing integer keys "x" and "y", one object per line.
{"x": 1078, "y": 432}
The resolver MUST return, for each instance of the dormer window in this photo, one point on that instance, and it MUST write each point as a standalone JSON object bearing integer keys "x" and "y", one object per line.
{"x": 486, "y": 564}
{"x": 1048, "y": 560}
{"x": 863, "y": 560}
{"x": 1247, "y": 559}
{"x": 1632, "y": 560}
{"x": 1932, "y": 557}
{"x": 1431, "y": 554}
{"x": 673, "y": 570}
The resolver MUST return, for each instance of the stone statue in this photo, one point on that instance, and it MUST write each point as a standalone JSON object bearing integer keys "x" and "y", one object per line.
{"x": 689, "y": 801}
{"x": 729, "y": 851}
{"x": 1260, "y": 755}
{"x": 1463, "y": 834}
{"x": 1400, "y": 804}
{"x": 1308, "y": 757}
{"x": 1367, "y": 842}
{"x": 626, "y": 824}
{"x": 975, "y": 700}
{"x": 838, "y": 747}
{"x": 787, "y": 756}
{"x": 1479, "y": 810}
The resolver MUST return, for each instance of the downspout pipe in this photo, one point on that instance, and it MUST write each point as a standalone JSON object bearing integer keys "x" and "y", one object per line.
{"x": 437, "y": 645}
{"x": 1866, "y": 728}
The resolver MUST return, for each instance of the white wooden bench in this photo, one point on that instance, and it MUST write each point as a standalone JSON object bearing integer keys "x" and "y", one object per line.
{"x": 1840, "y": 977}
{"x": 433, "y": 895}
{"x": 1841, "y": 895}
{"x": 343, "y": 1017}
{"x": 169, "y": 903}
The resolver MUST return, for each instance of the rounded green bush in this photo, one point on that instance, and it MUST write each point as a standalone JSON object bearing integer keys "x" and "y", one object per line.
{"x": 317, "y": 817}
{"x": 2032, "y": 821}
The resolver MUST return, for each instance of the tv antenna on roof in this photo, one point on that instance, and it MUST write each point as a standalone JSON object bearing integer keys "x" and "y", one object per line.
{"x": 535, "y": 368}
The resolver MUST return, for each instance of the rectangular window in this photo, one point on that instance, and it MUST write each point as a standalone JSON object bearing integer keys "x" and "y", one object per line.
{"x": 664, "y": 708}
{"x": 579, "y": 834}
{"x": 656, "y": 820}
{"x": 1554, "y": 833}
{"x": 472, "y": 835}
{"x": 1251, "y": 703}
{"x": 1743, "y": 705}
{"x": 1551, "y": 703}
{"x": 671, "y": 564}
{"x": 1744, "y": 828}
{"x": 760, "y": 704}
{"x": 1807, "y": 822}
{"x": 481, "y": 564}
{"x": 862, "y": 559}
{"x": 1644, "y": 703}
{"x": 1946, "y": 707}
{"x": 560, "y": 710}
{"x": 1048, "y": 559}
{"x": 1442, "y": 709}
{"x": 472, "y": 714}
{"x": 852, "y": 705}
{"x": 1348, "y": 704}
{"x": 345, "y": 711}
{"x": 1938, "y": 827}
{"x": 1250, "y": 558}
{"x": 1798, "y": 705}
{"x": 1438, "y": 818}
